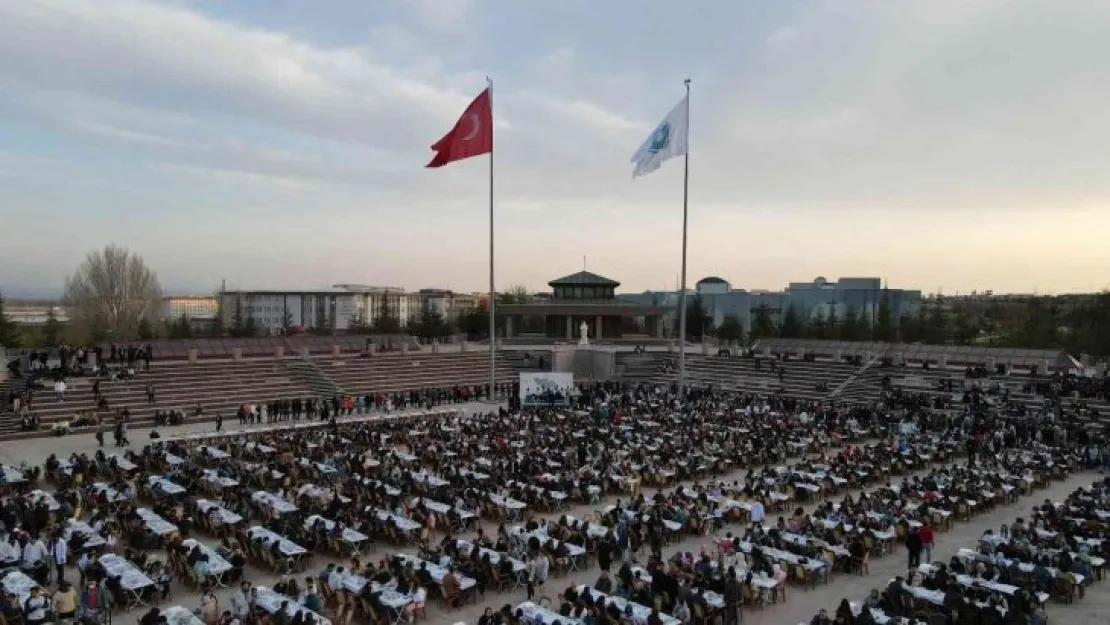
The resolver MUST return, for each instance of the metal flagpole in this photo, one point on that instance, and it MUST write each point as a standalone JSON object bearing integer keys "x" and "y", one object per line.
{"x": 492, "y": 292}
{"x": 682, "y": 286}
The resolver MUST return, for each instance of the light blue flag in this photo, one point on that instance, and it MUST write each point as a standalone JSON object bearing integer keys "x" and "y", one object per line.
{"x": 669, "y": 139}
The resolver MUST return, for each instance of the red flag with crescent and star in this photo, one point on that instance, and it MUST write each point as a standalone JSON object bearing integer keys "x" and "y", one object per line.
{"x": 471, "y": 136}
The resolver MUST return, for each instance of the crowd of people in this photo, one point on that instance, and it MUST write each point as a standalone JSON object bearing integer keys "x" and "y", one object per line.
{"x": 458, "y": 508}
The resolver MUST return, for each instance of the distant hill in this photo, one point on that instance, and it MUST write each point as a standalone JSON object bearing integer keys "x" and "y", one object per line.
{"x": 14, "y": 292}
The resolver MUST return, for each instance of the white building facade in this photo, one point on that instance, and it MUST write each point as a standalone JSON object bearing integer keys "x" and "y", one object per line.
{"x": 337, "y": 308}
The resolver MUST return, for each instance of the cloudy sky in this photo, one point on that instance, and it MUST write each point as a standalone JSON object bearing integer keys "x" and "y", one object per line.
{"x": 935, "y": 143}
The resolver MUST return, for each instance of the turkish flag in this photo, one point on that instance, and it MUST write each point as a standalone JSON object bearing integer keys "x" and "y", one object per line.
{"x": 471, "y": 136}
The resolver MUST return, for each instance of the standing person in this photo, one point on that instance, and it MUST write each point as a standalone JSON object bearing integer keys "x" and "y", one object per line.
{"x": 530, "y": 577}
{"x": 242, "y": 602}
{"x": 60, "y": 555}
{"x": 927, "y": 540}
{"x": 913, "y": 547}
{"x": 65, "y": 601}
{"x": 99, "y": 433}
{"x": 543, "y": 566}
{"x": 219, "y": 422}
{"x": 34, "y": 609}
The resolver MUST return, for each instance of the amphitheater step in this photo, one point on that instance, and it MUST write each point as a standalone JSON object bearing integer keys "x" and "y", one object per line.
{"x": 311, "y": 375}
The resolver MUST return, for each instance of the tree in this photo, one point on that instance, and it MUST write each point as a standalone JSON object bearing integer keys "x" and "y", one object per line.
{"x": 52, "y": 330}
{"x": 516, "y": 294}
{"x": 964, "y": 327}
{"x": 358, "y": 325}
{"x": 474, "y": 323}
{"x": 216, "y": 328}
{"x": 763, "y": 326}
{"x": 181, "y": 328}
{"x": 10, "y": 336}
{"x": 792, "y": 326}
{"x": 386, "y": 324}
{"x": 250, "y": 327}
{"x": 431, "y": 325}
{"x": 911, "y": 328}
{"x": 731, "y": 329}
{"x": 146, "y": 331}
{"x": 935, "y": 330}
{"x": 853, "y": 327}
{"x": 237, "y": 321}
{"x": 884, "y": 324}
{"x": 818, "y": 326}
{"x": 698, "y": 321}
{"x": 111, "y": 292}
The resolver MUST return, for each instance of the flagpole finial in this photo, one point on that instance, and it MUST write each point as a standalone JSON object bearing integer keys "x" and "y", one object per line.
{"x": 686, "y": 82}
{"x": 489, "y": 81}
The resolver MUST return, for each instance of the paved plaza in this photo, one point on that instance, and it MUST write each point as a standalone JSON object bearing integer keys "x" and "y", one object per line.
{"x": 800, "y": 606}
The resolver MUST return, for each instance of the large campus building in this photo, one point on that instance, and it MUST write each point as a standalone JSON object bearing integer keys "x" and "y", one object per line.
{"x": 809, "y": 299}
{"x": 340, "y": 306}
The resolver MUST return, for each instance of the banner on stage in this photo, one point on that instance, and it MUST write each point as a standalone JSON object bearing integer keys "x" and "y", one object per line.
{"x": 546, "y": 388}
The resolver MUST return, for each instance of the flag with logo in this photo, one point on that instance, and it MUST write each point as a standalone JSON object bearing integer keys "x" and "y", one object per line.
{"x": 471, "y": 135}
{"x": 668, "y": 140}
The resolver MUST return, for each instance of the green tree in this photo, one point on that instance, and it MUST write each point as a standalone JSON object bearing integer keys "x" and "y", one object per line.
{"x": 731, "y": 330}
{"x": 763, "y": 326}
{"x": 1089, "y": 326}
{"x": 359, "y": 325}
{"x": 936, "y": 329}
{"x": 181, "y": 328}
{"x": 250, "y": 327}
{"x": 832, "y": 323}
{"x": 853, "y": 327}
{"x": 792, "y": 326}
{"x": 911, "y": 328}
{"x": 884, "y": 323}
{"x": 474, "y": 324}
{"x": 818, "y": 327}
{"x": 965, "y": 328}
{"x": 698, "y": 321}
{"x": 237, "y": 321}
{"x": 10, "y": 335}
{"x": 1038, "y": 325}
{"x": 386, "y": 324}
{"x": 52, "y": 330}
{"x": 516, "y": 294}
{"x": 146, "y": 331}
{"x": 216, "y": 327}
{"x": 430, "y": 325}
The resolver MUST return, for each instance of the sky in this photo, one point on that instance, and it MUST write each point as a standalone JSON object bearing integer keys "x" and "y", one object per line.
{"x": 939, "y": 144}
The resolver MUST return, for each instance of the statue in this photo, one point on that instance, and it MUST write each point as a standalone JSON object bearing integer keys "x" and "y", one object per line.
{"x": 583, "y": 333}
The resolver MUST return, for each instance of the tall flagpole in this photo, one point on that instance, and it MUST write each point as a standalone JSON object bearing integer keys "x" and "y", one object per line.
{"x": 682, "y": 286}
{"x": 492, "y": 293}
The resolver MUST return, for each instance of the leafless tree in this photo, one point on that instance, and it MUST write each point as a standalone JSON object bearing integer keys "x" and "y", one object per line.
{"x": 111, "y": 292}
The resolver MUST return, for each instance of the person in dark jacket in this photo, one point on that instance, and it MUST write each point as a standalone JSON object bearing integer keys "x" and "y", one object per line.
{"x": 913, "y": 548}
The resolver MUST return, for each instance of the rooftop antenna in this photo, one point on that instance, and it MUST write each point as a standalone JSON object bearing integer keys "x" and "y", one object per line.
{"x": 583, "y": 262}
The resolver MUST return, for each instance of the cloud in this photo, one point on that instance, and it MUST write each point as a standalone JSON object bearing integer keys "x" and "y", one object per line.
{"x": 443, "y": 15}
{"x": 801, "y": 113}
{"x": 122, "y": 134}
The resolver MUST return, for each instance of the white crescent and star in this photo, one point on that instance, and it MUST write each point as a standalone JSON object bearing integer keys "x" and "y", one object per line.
{"x": 475, "y": 126}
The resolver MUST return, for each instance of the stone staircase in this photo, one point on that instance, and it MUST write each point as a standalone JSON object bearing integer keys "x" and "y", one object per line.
{"x": 311, "y": 375}
{"x": 849, "y": 391}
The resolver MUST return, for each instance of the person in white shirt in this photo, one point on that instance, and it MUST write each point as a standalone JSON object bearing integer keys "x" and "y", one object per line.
{"x": 34, "y": 552}
{"x": 757, "y": 512}
{"x": 60, "y": 552}
{"x": 34, "y": 609}
{"x": 335, "y": 579}
{"x": 60, "y": 390}
{"x": 542, "y": 567}
{"x": 241, "y": 602}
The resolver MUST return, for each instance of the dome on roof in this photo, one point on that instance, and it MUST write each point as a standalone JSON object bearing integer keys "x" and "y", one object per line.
{"x": 712, "y": 280}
